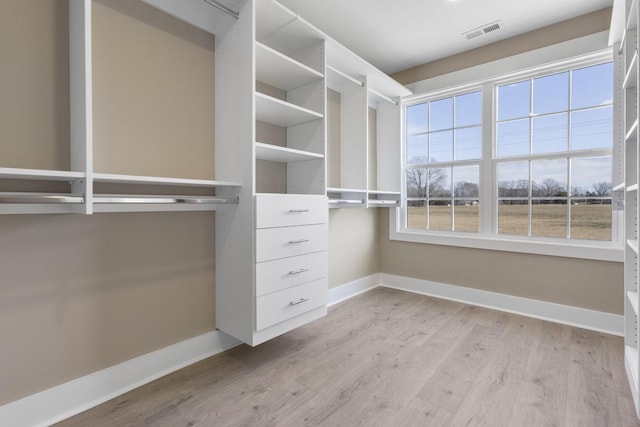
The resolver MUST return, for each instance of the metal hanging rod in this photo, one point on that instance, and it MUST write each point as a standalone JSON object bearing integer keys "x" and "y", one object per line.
{"x": 49, "y": 198}
{"x": 346, "y": 76}
{"x": 386, "y": 98}
{"x": 345, "y": 202}
{"x": 382, "y": 202}
{"x": 223, "y": 8}
{"x": 150, "y": 199}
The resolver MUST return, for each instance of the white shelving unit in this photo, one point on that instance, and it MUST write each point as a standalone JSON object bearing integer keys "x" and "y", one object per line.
{"x": 624, "y": 27}
{"x": 365, "y": 154}
{"x": 82, "y": 176}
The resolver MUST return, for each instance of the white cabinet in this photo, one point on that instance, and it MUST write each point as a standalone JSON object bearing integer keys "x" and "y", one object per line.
{"x": 625, "y": 29}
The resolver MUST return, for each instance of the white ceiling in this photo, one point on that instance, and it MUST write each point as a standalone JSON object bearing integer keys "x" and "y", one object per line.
{"x": 395, "y": 35}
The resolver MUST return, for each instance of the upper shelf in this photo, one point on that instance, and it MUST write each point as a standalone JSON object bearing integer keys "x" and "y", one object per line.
{"x": 276, "y": 153}
{"x": 281, "y": 71}
{"x": 282, "y": 113}
{"x": 39, "y": 174}
{"x": 279, "y": 26}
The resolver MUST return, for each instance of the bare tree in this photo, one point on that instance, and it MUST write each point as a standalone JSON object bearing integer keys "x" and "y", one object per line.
{"x": 548, "y": 188}
{"x": 417, "y": 183}
{"x": 602, "y": 189}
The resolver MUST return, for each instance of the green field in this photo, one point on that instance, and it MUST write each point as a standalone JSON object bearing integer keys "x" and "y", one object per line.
{"x": 591, "y": 222}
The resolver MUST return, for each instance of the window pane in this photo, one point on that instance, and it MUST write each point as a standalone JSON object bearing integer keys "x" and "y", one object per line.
{"x": 440, "y": 215}
{"x": 592, "y": 128}
{"x": 468, "y": 109}
{"x": 417, "y": 149}
{"x": 417, "y": 118}
{"x": 592, "y": 86}
{"x": 439, "y": 180}
{"x": 513, "y": 217}
{"x": 591, "y": 177}
{"x": 442, "y": 114}
{"x": 513, "y": 138}
{"x": 466, "y": 216}
{"x": 441, "y": 146}
{"x": 467, "y": 180}
{"x": 591, "y": 219}
{"x": 417, "y": 214}
{"x": 549, "y": 178}
{"x": 416, "y": 183}
{"x": 551, "y": 93}
{"x": 514, "y": 100}
{"x": 468, "y": 144}
{"x": 513, "y": 179}
{"x": 550, "y": 133}
{"x": 549, "y": 218}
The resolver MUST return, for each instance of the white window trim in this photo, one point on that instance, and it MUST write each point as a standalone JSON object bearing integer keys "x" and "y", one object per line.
{"x": 596, "y": 250}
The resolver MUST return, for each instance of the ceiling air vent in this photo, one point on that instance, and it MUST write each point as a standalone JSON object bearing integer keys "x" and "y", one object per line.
{"x": 485, "y": 29}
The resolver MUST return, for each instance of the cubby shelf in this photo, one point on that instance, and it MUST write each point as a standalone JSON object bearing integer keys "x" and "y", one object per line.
{"x": 281, "y": 71}
{"x": 164, "y": 181}
{"x": 282, "y": 113}
{"x": 632, "y": 297}
{"x": 632, "y": 132}
{"x": 276, "y": 153}
{"x": 633, "y": 187}
{"x": 633, "y": 245}
{"x": 630, "y": 78}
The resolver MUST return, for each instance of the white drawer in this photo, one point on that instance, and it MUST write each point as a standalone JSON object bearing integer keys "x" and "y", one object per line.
{"x": 284, "y": 210}
{"x": 280, "y": 306}
{"x": 285, "y": 273}
{"x": 276, "y": 243}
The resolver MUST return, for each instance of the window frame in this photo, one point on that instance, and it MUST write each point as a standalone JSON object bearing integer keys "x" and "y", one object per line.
{"x": 487, "y": 237}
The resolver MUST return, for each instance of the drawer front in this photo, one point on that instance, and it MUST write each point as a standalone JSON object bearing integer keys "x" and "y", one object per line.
{"x": 277, "y": 243}
{"x": 284, "y": 210}
{"x": 272, "y": 276}
{"x": 280, "y": 306}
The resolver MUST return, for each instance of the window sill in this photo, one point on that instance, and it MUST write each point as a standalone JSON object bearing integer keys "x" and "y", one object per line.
{"x": 583, "y": 250}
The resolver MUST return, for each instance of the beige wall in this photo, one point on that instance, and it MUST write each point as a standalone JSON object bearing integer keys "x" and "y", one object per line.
{"x": 595, "y": 285}
{"x": 573, "y": 28}
{"x": 353, "y": 245}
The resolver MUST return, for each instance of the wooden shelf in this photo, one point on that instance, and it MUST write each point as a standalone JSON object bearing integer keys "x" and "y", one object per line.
{"x": 280, "y": 71}
{"x": 633, "y": 300}
{"x": 276, "y": 153}
{"x": 282, "y": 113}
{"x": 633, "y": 244}
{"x": 154, "y": 180}
{"x": 40, "y": 174}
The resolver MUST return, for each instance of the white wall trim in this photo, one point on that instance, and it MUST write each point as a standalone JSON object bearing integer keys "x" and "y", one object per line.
{"x": 68, "y": 399}
{"x": 351, "y": 289}
{"x": 568, "y": 315}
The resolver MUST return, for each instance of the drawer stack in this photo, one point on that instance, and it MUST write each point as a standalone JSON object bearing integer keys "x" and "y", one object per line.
{"x": 291, "y": 256}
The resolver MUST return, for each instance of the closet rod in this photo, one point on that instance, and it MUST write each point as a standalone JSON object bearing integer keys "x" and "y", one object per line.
{"x": 345, "y": 202}
{"x": 346, "y": 76}
{"x": 144, "y": 199}
{"x": 40, "y": 198}
{"x": 383, "y": 202}
{"x": 386, "y": 98}
{"x": 223, "y": 8}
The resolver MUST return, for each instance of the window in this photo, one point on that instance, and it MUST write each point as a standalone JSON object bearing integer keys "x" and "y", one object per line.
{"x": 520, "y": 159}
{"x": 444, "y": 146}
{"x": 554, "y": 137}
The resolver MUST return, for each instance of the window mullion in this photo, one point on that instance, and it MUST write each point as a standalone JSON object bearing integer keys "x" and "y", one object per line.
{"x": 488, "y": 205}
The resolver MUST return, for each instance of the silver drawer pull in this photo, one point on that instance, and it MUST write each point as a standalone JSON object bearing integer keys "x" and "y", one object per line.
{"x": 298, "y": 210}
{"x": 298, "y": 241}
{"x": 300, "y": 301}
{"x": 302, "y": 270}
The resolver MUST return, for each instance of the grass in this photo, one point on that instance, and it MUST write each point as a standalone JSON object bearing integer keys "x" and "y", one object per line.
{"x": 591, "y": 222}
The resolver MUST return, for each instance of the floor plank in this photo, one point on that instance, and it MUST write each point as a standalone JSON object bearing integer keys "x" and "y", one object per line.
{"x": 391, "y": 358}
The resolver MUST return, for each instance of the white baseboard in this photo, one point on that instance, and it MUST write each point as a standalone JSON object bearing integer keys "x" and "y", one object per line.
{"x": 351, "y": 289}
{"x": 63, "y": 401}
{"x": 574, "y": 316}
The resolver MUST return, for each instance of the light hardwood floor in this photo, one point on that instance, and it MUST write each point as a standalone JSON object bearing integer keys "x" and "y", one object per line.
{"x": 390, "y": 358}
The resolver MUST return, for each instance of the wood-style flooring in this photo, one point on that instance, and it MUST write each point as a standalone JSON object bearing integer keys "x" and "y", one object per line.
{"x": 391, "y": 358}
